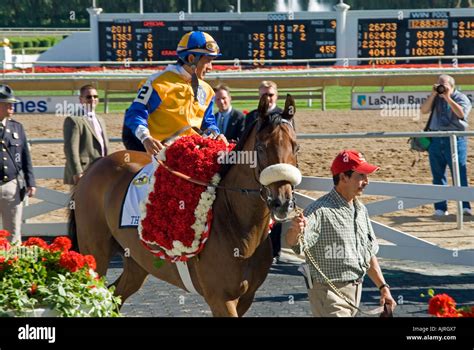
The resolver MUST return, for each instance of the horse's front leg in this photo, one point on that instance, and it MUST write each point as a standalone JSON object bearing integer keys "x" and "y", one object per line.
{"x": 221, "y": 308}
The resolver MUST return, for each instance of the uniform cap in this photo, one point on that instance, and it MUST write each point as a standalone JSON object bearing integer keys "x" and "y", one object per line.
{"x": 7, "y": 95}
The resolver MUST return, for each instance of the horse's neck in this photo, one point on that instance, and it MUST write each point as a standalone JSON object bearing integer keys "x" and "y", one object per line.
{"x": 246, "y": 214}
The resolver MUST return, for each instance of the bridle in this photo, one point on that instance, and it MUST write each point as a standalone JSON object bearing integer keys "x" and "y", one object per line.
{"x": 265, "y": 192}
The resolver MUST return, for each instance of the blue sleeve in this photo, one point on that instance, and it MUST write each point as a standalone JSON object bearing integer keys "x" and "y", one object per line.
{"x": 466, "y": 106}
{"x": 146, "y": 102}
{"x": 209, "y": 121}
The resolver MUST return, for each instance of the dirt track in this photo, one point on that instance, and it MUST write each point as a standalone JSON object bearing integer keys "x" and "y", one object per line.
{"x": 315, "y": 157}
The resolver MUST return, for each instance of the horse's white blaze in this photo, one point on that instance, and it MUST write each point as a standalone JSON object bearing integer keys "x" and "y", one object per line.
{"x": 280, "y": 172}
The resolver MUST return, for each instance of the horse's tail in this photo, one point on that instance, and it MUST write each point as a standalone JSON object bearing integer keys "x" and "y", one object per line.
{"x": 71, "y": 222}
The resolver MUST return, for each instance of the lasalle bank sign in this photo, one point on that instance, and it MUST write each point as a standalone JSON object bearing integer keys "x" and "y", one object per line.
{"x": 381, "y": 100}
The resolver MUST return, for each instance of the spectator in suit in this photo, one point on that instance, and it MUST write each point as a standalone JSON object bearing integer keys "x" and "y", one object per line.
{"x": 85, "y": 136}
{"x": 16, "y": 169}
{"x": 269, "y": 88}
{"x": 230, "y": 121}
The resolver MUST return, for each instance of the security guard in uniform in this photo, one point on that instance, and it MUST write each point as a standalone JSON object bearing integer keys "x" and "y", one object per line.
{"x": 15, "y": 166}
{"x": 175, "y": 98}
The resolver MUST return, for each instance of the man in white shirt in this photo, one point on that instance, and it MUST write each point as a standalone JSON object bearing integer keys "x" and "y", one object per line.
{"x": 85, "y": 136}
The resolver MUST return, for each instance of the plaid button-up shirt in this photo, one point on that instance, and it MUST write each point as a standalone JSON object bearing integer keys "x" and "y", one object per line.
{"x": 339, "y": 237}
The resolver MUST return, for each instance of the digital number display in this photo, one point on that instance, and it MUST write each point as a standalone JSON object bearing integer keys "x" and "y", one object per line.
{"x": 258, "y": 41}
{"x": 423, "y": 36}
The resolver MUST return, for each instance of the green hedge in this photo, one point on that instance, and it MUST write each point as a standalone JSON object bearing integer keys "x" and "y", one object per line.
{"x": 46, "y": 41}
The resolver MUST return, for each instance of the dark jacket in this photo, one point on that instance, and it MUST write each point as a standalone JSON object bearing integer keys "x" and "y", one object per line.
{"x": 13, "y": 138}
{"x": 235, "y": 126}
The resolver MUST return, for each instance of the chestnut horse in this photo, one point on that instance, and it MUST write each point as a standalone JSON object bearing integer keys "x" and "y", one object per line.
{"x": 237, "y": 255}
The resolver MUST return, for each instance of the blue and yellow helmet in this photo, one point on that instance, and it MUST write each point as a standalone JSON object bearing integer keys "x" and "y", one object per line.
{"x": 197, "y": 43}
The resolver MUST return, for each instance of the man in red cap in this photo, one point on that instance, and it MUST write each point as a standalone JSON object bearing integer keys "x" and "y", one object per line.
{"x": 339, "y": 242}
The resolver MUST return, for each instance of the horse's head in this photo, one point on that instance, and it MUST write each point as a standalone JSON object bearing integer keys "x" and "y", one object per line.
{"x": 276, "y": 149}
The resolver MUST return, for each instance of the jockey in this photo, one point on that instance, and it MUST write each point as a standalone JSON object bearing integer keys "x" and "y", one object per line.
{"x": 176, "y": 97}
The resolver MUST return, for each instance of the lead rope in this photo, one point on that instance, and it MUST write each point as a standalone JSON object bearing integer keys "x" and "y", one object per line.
{"x": 336, "y": 290}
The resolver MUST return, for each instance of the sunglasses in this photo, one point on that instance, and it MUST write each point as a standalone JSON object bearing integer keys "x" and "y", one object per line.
{"x": 90, "y": 97}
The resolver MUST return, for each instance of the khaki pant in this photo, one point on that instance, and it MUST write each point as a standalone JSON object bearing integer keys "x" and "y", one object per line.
{"x": 11, "y": 209}
{"x": 326, "y": 303}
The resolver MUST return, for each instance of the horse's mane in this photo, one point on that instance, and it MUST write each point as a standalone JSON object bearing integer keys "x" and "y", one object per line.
{"x": 273, "y": 119}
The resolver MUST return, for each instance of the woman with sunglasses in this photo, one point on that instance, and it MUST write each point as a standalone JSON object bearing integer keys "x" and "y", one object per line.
{"x": 175, "y": 98}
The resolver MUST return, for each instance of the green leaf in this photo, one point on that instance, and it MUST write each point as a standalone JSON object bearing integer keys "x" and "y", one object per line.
{"x": 61, "y": 291}
{"x": 431, "y": 292}
{"x": 158, "y": 263}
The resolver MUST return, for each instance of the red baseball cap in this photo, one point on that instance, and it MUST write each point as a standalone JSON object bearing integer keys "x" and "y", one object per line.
{"x": 351, "y": 160}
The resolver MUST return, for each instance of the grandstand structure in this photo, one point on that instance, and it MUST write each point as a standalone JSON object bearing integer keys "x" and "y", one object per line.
{"x": 337, "y": 53}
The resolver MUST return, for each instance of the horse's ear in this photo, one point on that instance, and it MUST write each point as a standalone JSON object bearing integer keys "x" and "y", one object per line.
{"x": 263, "y": 106}
{"x": 290, "y": 108}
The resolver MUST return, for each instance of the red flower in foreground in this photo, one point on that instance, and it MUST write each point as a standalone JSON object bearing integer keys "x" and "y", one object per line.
{"x": 90, "y": 261}
{"x": 443, "y": 305}
{"x": 61, "y": 243}
{"x": 32, "y": 290}
{"x": 4, "y": 244}
{"x": 72, "y": 261}
{"x": 36, "y": 241}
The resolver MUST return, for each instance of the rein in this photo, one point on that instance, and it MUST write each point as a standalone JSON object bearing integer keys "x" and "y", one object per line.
{"x": 188, "y": 178}
{"x": 205, "y": 184}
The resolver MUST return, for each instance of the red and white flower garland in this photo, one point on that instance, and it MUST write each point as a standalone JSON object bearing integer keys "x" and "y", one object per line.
{"x": 176, "y": 218}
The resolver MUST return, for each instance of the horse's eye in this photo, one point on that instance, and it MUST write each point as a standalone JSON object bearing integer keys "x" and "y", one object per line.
{"x": 260, "y": 148}
{"x": 297, "y": 148}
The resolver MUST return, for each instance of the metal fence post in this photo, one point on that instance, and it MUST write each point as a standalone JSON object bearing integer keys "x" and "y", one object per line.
{"x": 456, "y": 177}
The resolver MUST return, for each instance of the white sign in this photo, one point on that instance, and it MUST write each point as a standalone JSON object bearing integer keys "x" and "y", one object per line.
{"x": 49, "y": 104}
{"x": 380, "y": 100}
